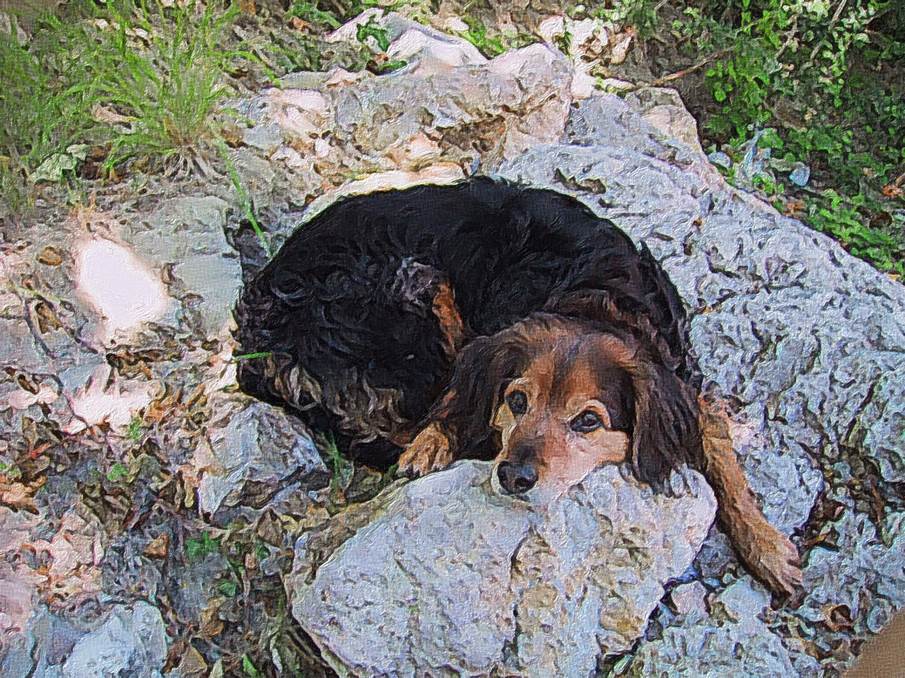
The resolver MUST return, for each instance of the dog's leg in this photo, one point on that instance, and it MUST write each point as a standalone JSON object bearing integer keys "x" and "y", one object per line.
{"x": 429, "y": 451}
{"x": 762, "y": 548}
{"x": 447, "y": 314}
{"x": 424, "y": 289}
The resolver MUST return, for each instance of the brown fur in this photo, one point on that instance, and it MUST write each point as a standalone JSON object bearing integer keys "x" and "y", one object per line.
{"x": 451, "y": 324}
{"x": 765, "y": 551}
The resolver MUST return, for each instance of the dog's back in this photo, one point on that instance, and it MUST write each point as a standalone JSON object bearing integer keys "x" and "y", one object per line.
{"x": 348, "y": 296}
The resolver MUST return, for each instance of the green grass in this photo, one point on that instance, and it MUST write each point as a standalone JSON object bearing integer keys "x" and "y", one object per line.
{"x": 342, "y": 469}
{"x": 170, "y": 85}
{"x": 248, "y": 209}
{"x": 139, "y": 81}
{"x": 48, "y": 88}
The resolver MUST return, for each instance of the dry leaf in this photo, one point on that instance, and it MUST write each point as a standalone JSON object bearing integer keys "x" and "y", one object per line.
{"x": 158, "y": 547}
{"x": 50, "y": 256}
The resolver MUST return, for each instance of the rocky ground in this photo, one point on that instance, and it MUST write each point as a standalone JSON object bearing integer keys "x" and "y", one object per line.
{"x": 156, "y": 521}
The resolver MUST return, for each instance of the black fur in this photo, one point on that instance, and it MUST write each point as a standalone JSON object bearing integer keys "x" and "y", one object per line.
{"x": 332, "y": 302}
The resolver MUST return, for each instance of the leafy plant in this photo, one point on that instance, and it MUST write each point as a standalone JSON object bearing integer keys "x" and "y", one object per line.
{"x": 313, "y": 14}
{"x": 117, "y": 472}
{"x": 808, "y": 68}
{"x": 248, "y": 667}
{"x": 477, "y": 35}
{"x": 201, "y": 547}
{"x": 372, "y": 30}
{"x": 842, "y": 219}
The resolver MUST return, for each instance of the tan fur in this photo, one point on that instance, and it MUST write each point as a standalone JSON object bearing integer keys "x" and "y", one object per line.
{"x": 566, "y": 456}
{"x": 447, "y": 314}
{"x": 762, "y": 548}
{"x": 429, "y": 451}
{"x": 370, "y": 412}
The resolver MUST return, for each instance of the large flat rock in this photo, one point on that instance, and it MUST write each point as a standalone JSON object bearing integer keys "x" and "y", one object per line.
{"x": 447, "y": 577}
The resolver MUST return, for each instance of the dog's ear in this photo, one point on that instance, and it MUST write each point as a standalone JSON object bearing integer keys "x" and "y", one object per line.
{"x": 482, "y": 371}
{"x": 666, "y": 432}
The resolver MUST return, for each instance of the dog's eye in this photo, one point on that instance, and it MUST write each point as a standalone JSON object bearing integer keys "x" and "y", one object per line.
{"x": 518, "y": 402}
{"x": 586, "y": 422}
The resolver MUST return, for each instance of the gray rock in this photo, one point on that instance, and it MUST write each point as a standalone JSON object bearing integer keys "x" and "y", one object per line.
{"x": 186, "y": 235}
{"x": 132, "y": 643}
{"x": 689, "y": 598}
{"x": 259, "y": 451}
{"x": 720, "y": 159}
{"x": 445, "y": 576}
{"x": 800, "y": 175}
{"x": 19, "y": 347}
{"x": 714, "y": 648}
{"x": 733, "y": 640}
{"x": 39, "y": 651}
{"x": 509, "y": 104}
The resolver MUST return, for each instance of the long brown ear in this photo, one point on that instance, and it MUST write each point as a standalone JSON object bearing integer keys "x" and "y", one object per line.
{"x": 666, "y": 432}
{"x": 482, "y": 370}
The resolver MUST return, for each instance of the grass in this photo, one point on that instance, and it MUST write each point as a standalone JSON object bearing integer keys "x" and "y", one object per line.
{"x": 48, "y": 88}
{"x": 137, "y": 82}
{"x": 342, "y": 469}
{"x": 167, "y": 85}
{"x": 248, "y": 209}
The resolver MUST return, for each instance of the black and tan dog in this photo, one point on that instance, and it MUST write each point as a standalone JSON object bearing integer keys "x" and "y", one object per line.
{"x": 493, "y": 321}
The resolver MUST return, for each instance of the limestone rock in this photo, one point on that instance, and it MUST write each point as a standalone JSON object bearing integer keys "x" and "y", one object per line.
{"x": 131, "y": 642}
{"x": 259, "y": 451}
{"x": 445, "y": 576}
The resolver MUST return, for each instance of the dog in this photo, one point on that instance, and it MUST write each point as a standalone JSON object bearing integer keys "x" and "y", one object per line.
{"x": 489, "y": 320}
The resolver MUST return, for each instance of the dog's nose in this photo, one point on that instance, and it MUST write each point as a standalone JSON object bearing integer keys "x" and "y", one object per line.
{"x": 516, "y": 478}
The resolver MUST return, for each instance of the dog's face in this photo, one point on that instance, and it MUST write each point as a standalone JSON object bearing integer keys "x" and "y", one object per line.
{"x": 567, "y": 413}
{"x": 570, "y": 398}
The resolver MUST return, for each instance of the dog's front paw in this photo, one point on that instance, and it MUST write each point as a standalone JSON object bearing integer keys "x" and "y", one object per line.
{"x": 780, "y": 565}
{"x": 773, "y": 558}
{"x": 429, "y": 451}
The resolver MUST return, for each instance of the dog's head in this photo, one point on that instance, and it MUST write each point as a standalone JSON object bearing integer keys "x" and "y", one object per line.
{"x": 567, "y": 398}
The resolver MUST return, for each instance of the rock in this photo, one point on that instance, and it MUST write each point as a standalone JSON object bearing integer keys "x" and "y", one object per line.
{"x": 689, "y": 598}
{"x": 122, "y": 290}
{"x": 40, "y": 650}
{"x": 720, "y": 159}
{"x": 19, "y": 347}
{"x": 711, "y": 649}
{"x": 663, "y": 109}
{"x": 187, "y": 236}
{"x": 881, "y": 424}
{"x": 733, "y": 640}
{"x": 800, "y": 175}
{"x": 446, "y": 575}
{"x": 258, "y": 452}
{"x": 495, "y": 104}
{"x": 132, "y": 643}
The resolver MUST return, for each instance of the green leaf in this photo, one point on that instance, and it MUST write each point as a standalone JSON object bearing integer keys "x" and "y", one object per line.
{"x": 249, "y": 668}
{"x": 228, "y": 588}
{"x": 117, "y": 472}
